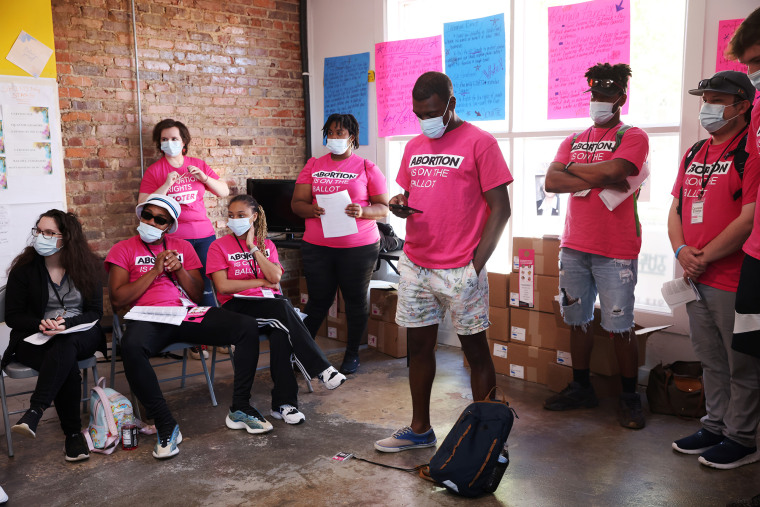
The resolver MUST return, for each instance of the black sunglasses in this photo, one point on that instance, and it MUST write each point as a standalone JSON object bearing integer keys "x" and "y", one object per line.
{"x": 717, "y": 82}
{"x": 604, "y": 83}
{"x": 158, "y": 220}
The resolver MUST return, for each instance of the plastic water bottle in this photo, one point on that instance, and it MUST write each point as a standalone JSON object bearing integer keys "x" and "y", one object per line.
{"x": 498, "y": 470}
{"x": 129, "y": 433}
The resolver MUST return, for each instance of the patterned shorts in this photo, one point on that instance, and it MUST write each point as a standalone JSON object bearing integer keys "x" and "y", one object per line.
{"x": 425, "y": 294}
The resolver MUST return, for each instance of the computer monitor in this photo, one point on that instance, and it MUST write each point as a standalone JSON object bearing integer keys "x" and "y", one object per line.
{"x": 275, "y": 196}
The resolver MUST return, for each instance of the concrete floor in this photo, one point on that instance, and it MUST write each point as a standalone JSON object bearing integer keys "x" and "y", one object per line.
{"x": 574, "y": 458}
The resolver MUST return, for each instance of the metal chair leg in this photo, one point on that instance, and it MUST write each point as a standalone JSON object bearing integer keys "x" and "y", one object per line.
{"x": 208, "y": 380}
{"x": 6, "y": 418}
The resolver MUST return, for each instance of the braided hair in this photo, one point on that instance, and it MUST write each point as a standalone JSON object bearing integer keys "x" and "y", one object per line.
{"x": 348, "y": 122}
{"x": 260, "y": 225}
{"x": 619, "y": 73}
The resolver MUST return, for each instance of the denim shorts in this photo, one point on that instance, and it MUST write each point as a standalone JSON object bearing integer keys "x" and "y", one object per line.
{"x": 424, "y": 295}
{"x": 583, "y": 275}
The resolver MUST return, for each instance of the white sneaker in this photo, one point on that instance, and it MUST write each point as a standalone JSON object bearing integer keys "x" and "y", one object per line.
{"x": 195, "y": 353}
{"x": 289, "y": 414}
{"x": 331, "y": 378}
{"x": 3, "y": 496}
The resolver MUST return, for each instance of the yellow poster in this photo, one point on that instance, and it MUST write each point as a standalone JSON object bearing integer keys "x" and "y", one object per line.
{"x": 35, "y": 17}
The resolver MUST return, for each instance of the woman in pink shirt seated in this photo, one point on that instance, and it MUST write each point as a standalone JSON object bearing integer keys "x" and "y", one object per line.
{"x": 246, "y": 271}
{"x": 344, "y": 261}
{"x": 186, "y": 179}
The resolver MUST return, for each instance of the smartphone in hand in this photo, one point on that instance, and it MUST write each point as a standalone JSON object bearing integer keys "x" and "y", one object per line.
{"x": 401, "y": 207}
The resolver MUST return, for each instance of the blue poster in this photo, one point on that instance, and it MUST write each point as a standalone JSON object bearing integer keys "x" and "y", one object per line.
{"x": 345, "y": 86}
{"x": 476, "y": 63}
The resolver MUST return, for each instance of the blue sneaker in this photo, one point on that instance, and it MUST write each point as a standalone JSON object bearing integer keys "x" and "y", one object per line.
{"x": 252, "y": 421}
{"x": 729, "y": 454}
{"x": 167, "y": 447}
{"x": 697, "y": 443}
{"x": 405, "y": 439}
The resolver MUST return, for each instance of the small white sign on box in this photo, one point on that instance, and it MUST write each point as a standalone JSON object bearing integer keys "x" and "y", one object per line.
{"x": 518, "y": 334}
{"x": 499, "y": 350}
{"x": 332, "y": 332}
{"x": 376, "y": 310}
{"x": 564, "y": 358}
{"x": 304, "y": 298}
{"x": 515, "y": 263}
{"x": 517, "y": 371}
{"x": 514, "y": 299}
{"x": 371, "y": 340}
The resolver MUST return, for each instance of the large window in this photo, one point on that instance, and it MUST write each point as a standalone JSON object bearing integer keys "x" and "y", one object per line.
{"x": 529, "y": 141}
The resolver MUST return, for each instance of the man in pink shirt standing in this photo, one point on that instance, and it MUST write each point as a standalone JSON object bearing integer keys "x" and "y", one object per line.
{"x": 456, "y": 204}
{"x": 600, "y": 247}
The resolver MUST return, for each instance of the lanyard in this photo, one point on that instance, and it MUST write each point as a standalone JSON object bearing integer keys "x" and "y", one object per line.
{"x": 256, "y": 269}
{"x": 167, "y": 273}
{"x": 58, "y": 296}
{"x": 596, "y": 144}
{"x": 714, "y": 166}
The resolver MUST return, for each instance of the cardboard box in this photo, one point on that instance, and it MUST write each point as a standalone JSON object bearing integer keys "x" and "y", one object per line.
{"x": 529, "y": 363}
{"x": 337, "y": 328}
{"x": 392, "y": 339}
{"x": 545, "y": 289}
{"x": 499, "y": 328}
{"x": 546, "y": 254}
{"x": 538, "y": 329}
{"x": 374, "y": 336}
{"x": 499, "y": 351}
{"x": 303, "y": 290}
{"x": 382, "y": 304}
{"x": 558, "y": 376}
{"x": 498, "y": 290}
{"x": 341, "y": 302}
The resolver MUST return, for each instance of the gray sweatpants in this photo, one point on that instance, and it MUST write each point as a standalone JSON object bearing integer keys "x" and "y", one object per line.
{"x": 731, "y": 379}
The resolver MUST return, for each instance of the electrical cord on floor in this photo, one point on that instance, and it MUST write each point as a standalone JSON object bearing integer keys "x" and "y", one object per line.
{"x": 410, "y": 470}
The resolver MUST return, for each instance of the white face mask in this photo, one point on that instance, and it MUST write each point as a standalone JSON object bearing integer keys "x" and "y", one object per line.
{"x": 434, "y": 128}
{"x": 601, "y": 112}
{"x": 46, "y": 247}
{"x": 239, "y": 225}
{"x": 755, "y": 79}
{"x": 711, "y": 117}
{"x": 148, "y": 233}
{"x": 337, "y": 146}
{"x": 172, "y": 148}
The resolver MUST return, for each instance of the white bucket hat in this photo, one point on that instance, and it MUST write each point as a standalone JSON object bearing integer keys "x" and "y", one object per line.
{"x": 162, "y": 201}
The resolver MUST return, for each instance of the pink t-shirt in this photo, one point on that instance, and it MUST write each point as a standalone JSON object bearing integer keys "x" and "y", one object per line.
{"x": 720, "y": 208}
{"x": 589, "y": 226}
{"x": 446, "y": 179}
{"x": 193, "y": 220}
{"x": 361, "y": 178}
{"x": 134, "y": 256}
{"x": 752, "y": 245}
{"x": 226, "y": 253}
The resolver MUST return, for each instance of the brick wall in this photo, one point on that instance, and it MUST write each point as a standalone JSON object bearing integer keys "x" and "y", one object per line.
{"x": 229, "y": 70}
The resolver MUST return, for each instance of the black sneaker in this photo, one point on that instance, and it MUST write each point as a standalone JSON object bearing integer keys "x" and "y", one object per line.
{"x": 76, "y": 447}
{"x": 729, "y": 454}
{"x": 697, "y": 443}
{"x": 27, "y": 425}
{"x": 630, "y": 414}
{"x": 572, "y": 397}
{"x": 350, "y": 364}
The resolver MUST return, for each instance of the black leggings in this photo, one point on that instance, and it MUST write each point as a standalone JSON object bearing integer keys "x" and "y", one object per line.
{"x": 328, "y": 268}
{"x": 143, "y": 340}
{"x": 59, "y": 377}
{"x": 287, "y": 336}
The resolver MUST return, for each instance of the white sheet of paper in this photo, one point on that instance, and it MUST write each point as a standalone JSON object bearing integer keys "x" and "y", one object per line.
{"x": 41, "y": 339}
{"x": 679, "y": 291}
{"x": 173, "y": 315}
{"x": 29, "y": 54}
{"x": 335, "y": 222}
{"x": 613, "y": 198}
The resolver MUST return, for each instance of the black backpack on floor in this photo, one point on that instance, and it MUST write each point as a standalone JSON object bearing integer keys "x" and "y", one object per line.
{"x": 466, "y": 461}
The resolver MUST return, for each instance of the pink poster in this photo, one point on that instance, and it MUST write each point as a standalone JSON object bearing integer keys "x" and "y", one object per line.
{"x": 398, "y": 64}
{"x": 726, "y": 29}
{"x": 580, "y": 36}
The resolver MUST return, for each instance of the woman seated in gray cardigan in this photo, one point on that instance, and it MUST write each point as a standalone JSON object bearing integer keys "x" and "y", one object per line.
{"x": 55, "y": 284}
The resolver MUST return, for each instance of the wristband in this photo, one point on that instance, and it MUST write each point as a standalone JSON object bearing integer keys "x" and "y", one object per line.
{"x": 678, "y": 250}
{"x": 254, "y": 249}
{"x": 567, "y": 167}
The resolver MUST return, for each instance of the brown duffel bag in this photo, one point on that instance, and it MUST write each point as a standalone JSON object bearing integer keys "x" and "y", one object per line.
{"x": 677, "y": 389}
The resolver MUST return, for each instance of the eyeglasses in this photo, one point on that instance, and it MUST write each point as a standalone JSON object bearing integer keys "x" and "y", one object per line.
{"x": 158, "y": 220}
{"x": 45, "y": 234}
{"x": 717, "y": 82}
{"x": 604, "y": 83}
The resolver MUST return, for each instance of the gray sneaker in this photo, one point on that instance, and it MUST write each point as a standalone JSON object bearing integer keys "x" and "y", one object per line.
{"x": 572, "y": 397}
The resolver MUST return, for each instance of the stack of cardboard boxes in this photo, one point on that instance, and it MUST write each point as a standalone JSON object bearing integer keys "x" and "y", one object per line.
{"x": 383, "y": 333}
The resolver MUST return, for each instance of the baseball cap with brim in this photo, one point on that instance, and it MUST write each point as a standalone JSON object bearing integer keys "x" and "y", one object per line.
{"x": 162, "y": 201}
{"x": 727, "y": 81}
{"x": 607, "y": 87}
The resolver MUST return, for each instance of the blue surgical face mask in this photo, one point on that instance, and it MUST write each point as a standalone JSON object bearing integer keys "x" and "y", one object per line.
{"x": 239, "y": 225}
{"x": 148, "y": 233}
{"x": 434, "y": 128}
{"x": 172, "y": 148}
{"x": 601, "y": 112}
{"x": 755, "y": 79}
{"x": 337, "y": 146}
{"x": 711, "y": 117}
{"x": 45, "y": 247}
